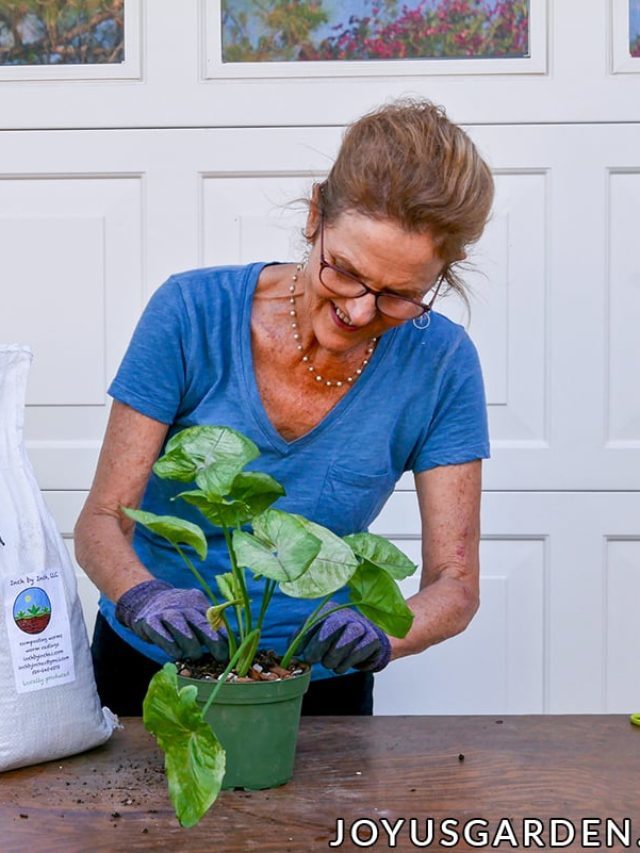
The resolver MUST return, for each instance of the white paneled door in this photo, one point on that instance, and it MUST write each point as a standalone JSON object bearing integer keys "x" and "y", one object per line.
{"x": 115, "y": 176}
{"x": 94, "y": 221}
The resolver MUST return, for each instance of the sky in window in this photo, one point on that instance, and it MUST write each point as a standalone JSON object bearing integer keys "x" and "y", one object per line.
{"x": 634, "y": 19}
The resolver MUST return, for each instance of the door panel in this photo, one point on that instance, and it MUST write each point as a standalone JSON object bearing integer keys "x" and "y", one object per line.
{"x": 559, "y": 580}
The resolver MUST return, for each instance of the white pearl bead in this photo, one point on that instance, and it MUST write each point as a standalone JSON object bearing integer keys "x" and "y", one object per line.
{"x": 328, "y": 383}
{"x": 300, "y": 346}
{"x": 296, "y": 337}
{"x": 292, "y": 313}
{"x": 311, "y": 368}
{"x": 358, "y": 371}
{"x": 319, "y": 378}
{"x": 339, "y": 384}
{"x": 305, "y": 358}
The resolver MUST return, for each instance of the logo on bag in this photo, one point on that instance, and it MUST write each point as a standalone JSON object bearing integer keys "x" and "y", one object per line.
{"x": 32, "y": 610}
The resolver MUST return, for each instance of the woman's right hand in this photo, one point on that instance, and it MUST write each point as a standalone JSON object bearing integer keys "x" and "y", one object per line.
{"x": 173, "y": 619}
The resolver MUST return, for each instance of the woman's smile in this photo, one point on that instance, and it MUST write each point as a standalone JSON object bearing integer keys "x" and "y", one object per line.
{"x": 341, "y": 319}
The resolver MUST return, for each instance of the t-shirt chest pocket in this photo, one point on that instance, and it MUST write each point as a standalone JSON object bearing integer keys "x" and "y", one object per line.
{"x": 349, "y": 500}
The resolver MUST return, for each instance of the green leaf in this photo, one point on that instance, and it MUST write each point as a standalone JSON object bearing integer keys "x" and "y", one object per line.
{"x": 176, "y": 530}
{"x": 382, "y": 553}
{"x": 330, "y": 570}
{"x": 377, "y": 596}
{"x": 216, "y": 509}
{"x": 229, "y": 586}
{"x": 257, "y": 490}
{"x": 251, "y": 493}
{"x": 281, "y": 548}
{"x": 194, "y": 758}
{"x": 211, "y": 455}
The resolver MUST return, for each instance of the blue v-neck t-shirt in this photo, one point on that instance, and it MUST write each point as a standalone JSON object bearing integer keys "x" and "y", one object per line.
{"x": 418, "y": 404}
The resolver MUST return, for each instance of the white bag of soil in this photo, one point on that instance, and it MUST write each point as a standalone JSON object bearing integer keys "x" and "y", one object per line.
{"x": 49, "y": 706}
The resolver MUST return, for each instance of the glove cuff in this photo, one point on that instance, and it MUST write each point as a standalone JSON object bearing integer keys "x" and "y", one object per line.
{"x": 381, "y": 660}
{"x": 130, "y": 602}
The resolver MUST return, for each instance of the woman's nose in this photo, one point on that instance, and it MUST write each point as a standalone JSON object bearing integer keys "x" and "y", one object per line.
{"x": 361, "y": 309}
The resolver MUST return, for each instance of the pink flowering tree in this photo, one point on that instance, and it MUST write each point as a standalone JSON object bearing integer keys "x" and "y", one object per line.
{"x": 431, "y": 28}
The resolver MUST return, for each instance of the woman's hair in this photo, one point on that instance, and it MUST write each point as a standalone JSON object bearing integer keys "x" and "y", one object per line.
{"x": 407, "y": 162}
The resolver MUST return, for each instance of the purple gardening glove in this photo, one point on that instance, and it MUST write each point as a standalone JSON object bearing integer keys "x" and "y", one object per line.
{"x": 346, "y": 639}
{"x": 173, "y": 619}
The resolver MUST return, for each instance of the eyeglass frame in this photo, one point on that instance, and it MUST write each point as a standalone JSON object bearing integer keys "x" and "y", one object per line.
{"x": 324, "y": 264}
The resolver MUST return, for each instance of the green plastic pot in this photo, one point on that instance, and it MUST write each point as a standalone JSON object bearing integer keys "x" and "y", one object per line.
{"x": 257, "y": 724}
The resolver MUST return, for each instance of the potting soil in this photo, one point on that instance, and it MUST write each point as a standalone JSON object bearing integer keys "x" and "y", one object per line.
{"x": 265, "y": 667}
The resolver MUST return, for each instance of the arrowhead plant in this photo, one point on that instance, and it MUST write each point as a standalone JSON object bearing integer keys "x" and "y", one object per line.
{"x": 282, "y": 549}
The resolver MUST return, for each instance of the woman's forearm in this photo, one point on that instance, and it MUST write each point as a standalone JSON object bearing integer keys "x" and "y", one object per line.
{"x": 441, "y": 610}
{"x": 103, "y": 550}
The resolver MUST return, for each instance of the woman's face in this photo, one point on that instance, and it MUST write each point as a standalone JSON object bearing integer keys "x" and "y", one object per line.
{"x": 384, "y": 257}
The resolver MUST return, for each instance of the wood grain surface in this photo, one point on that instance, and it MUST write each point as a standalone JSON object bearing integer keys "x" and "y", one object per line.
{"x": 114, "y": 798}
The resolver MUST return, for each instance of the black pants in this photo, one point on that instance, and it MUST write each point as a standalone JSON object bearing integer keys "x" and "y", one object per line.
{"x": 123, "y": 675}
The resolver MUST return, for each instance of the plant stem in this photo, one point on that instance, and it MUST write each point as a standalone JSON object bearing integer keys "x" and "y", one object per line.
{"x": 233, "y": 645}
{"x": 239, "y": 575}
{"x": 205, "y": 586}
{"x": 246, "y": 659}
{"x": 231, "y": 637}
{"x": 269, "y": 589}
{"x": 221, "y": 678}
{"x": 310, "y": 623}
{"x": 294, "y": 643}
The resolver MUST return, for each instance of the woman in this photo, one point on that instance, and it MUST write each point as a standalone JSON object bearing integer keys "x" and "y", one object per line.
{"x": 343, "y": 376}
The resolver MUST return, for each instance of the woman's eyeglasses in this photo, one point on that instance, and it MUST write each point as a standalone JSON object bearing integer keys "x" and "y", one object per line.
{"x": 342, "y": 283}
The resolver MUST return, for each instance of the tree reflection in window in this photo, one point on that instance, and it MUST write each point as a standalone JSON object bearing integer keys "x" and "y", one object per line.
{"x": 56, "y": 32}
{"x": 297, "y": 30}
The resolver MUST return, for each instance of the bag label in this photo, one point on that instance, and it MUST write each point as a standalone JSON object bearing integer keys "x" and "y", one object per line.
{"x": 39, "y": 631}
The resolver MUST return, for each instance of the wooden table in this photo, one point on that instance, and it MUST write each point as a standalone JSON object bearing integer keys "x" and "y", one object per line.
{"x": 458, "y": 768}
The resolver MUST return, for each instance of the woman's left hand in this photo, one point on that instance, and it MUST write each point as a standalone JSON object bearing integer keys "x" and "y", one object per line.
{"x": 346, "y": 639}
